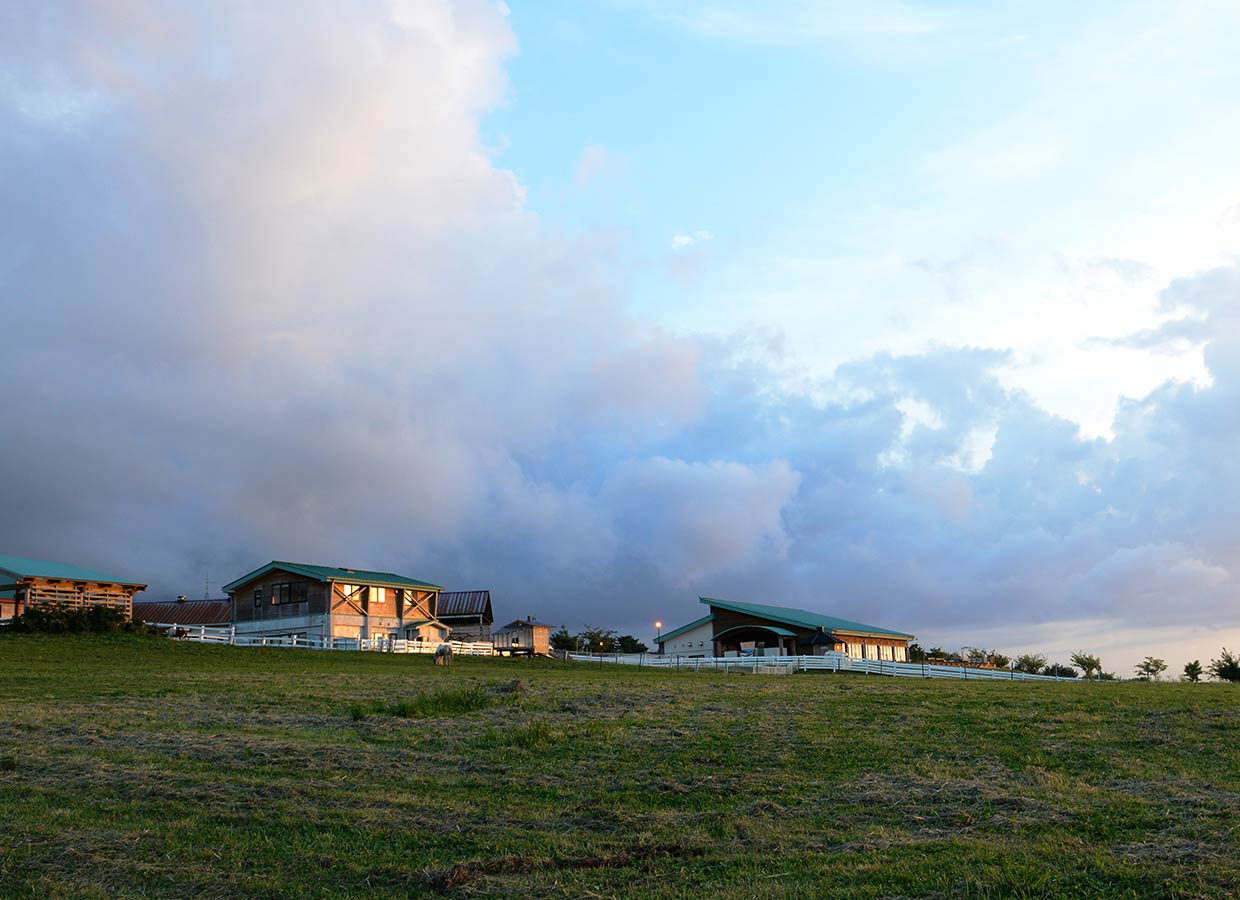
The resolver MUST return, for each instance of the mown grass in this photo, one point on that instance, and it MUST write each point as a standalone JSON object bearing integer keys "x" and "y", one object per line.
{"x": 427, "y": 704}
{"x": 144, "y": 768}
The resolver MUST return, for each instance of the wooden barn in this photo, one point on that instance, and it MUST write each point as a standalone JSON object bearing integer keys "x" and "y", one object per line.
{"x": 211, "y": 613}
{"x": 734, "y": 629}
{"x": 467, "y": 613}
{"x": 284, "y": 599}
{"x": 524, "y": 637}
{"x": 31, "y": 582}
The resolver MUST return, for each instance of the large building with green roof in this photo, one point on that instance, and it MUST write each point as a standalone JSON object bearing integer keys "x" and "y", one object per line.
{"x": 287, "y": 599}
{"x": 732, "y": 628}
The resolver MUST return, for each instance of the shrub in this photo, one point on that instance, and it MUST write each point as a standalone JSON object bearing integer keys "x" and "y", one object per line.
{"x": 1030, "y": 663}
{"x": 1226, "y": 667}
{"x": 56, "y": 618}
{"x": 1059, "y": 670}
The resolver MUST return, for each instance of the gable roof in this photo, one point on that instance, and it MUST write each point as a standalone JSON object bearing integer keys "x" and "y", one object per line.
{"x": 464, "y": 603}
{"x": 677, "y": 632}
{"x": 188, "y": 612}
{"x": 334, "y": 573}
{"x": 15, "y": 567}
{"x": 803, "y": 618}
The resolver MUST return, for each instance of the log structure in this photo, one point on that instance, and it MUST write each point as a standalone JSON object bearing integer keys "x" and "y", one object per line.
{"x": 25, "y": 583}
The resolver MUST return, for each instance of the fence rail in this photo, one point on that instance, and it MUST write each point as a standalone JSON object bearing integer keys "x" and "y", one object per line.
{"x": 831, "y": 662}
{"x": 207, "y": 635}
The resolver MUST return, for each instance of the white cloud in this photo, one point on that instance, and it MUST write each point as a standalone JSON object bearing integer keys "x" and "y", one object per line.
{"x": 681, "y": 240}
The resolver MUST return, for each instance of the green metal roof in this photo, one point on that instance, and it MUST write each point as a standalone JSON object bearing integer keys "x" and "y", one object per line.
{"x": 803, "y": 618}
{"x": 15, "y": 567}
{"x": 677, "y": 632}
{"x": 337, "y": 574}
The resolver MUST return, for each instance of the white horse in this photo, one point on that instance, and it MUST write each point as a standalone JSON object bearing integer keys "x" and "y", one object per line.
{"x": 443, "y": 654}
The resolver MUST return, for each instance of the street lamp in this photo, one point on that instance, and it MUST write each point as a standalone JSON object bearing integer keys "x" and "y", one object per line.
{"x": 659, "y": 628}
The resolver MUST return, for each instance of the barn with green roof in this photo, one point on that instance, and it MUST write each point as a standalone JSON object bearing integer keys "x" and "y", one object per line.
{"x": 732, "y": 628}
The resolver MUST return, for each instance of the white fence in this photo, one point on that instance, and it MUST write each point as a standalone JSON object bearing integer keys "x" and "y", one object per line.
{"x": 831, "y": 662}
{"x": 206, "y": 635}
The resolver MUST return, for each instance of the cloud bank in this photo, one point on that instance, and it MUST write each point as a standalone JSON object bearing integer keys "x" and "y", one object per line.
{"x": 267, "y": 296}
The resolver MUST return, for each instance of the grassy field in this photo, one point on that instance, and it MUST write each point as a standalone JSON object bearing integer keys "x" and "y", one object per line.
{"x": 134, "y": 767}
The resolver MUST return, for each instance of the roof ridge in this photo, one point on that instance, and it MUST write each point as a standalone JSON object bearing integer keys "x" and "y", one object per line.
{"x": 818, "y": 620}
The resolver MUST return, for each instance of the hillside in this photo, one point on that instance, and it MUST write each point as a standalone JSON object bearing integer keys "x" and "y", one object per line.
{"x": 142, "y": 768}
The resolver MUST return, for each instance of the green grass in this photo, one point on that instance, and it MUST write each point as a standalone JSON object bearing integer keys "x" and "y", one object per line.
{"x": 145, "y": 768}
{"x": 448, "y": 701}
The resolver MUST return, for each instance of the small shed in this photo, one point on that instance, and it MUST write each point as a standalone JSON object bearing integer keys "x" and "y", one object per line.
{"x": 467, "y": 613}
{"x": 36, "y": 582}
{"x": 524, "y": 637}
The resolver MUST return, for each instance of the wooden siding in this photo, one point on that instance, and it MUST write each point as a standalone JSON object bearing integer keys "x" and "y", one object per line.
{"x": 535, "y": 639}
{"x": 243, "y": 598}
{"x": 72, "y": 594}
{"x": 465, "y": 630}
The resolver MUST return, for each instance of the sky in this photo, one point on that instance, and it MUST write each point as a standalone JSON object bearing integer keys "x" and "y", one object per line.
{"x": 925, "y": 315}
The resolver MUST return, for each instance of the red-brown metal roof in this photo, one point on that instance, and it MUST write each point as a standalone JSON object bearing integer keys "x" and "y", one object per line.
{"x": 188, "y": 612}
{"x": 464, "y": 603}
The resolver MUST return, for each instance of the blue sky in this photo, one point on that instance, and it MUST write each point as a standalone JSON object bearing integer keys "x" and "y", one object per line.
{"x": 887, "y": 164}
{"x": 917, "y": 314}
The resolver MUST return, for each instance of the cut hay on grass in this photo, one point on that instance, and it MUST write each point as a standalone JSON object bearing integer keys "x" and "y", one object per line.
{"x": 139, "y": 768}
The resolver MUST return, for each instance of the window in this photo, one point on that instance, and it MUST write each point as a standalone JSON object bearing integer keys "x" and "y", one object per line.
{"x": 378, "y": 595}
{"x": 288, "y": 592}
{"x": 258, "y": 597}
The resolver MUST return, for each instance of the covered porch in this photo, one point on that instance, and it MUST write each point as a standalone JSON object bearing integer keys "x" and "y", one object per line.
{"x": 755, "y": 640}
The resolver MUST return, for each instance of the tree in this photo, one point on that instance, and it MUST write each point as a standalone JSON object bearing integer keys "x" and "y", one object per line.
{"x": 999, "y": 660}
{"x": 1059, "y": 670}
{"x": 1086, "y": 662}
{"x": 1226, "y": 667}
{"x": 1150, "y": 668}
{"x": 916, "y": 653}
{"x": 1031, "y": 663}
{"x": 940, "y": 653}
{"x": 1192, "y": 671}
{"x": 562, "y": 640}
{"x": 974, "y": 655}
{"x": 596, "y": 640}
{"x": 630, "y": 644}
